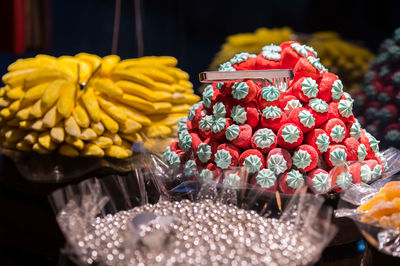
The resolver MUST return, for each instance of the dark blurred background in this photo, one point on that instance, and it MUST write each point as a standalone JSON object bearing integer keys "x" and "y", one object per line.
{"x": 192, "y": 31}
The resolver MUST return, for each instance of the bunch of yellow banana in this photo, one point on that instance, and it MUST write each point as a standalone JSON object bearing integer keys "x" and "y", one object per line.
{"x": 349, "y": 61}
{"x": 85, "y": 105}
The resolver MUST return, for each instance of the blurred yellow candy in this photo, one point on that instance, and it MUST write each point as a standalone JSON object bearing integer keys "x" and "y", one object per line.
{"x": 85, "y": 105}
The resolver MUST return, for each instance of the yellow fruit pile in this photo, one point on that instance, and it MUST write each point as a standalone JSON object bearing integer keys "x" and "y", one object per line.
{"x": 345, "y": 59}
{"x": 384, "y": 205}
{"x": 85, "y": 105}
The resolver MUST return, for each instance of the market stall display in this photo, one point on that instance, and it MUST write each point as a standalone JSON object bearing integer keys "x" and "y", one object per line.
{"x": 89, "y": 106}
{"x": 377, "y": 100}
{"x": 279, "y": 131}
{"x": 346, "y": 59}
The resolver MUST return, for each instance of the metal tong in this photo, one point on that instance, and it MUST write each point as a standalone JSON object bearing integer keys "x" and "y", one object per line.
{"x": 276, "y": 77}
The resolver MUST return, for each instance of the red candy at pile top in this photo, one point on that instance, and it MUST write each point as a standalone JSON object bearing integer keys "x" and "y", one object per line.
{"x": 283, "y": 136}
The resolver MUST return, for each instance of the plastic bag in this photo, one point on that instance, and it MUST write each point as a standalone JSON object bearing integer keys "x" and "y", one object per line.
{"x": 88, "y": 214}
{"x": 390, "y": 158}
{"x": 385, "y": 239}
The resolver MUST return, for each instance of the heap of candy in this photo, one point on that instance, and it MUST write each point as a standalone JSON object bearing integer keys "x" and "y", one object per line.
{"x": 250, "y": 42}
{"x": 348, "y": 60}
{"x": 85, "y": 105}
{"x": 376, "y": 102}
{"x": 281, "y": 136}
{"x": 384, "y": 206}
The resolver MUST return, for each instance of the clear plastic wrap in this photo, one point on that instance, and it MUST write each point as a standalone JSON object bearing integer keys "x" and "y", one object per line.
{"x": 127, "y": 220}
{"x": 392, "y": 165}
{"x": 329, "y": 189}
{"x": 385, "y": 238}
{"x": 390, "y": 158}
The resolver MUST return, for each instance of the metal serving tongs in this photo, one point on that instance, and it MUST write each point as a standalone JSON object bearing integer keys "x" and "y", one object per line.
{"x": 279, "y": 78}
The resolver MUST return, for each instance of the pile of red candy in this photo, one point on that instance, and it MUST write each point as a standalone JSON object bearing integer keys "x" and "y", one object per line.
{"x": 377, "y": 102}
{"x": 283, "y": 136}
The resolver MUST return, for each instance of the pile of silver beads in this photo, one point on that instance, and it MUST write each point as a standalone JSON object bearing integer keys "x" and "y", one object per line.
{"x": 201, "y": 233}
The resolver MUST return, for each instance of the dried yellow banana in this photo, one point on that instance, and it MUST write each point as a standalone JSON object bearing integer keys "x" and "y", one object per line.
{"x": 15, "y": 93}
{"x": 31, "y": 137}
{"x": 103, "y": 142}
{"x": 126, "y": 74}
{"x": 161, "y": 108}
{"x": 136, "y": 102}
{"x": 108, "y": 64}
{"x": 107, "y": 86}
{"x": 154, "y": 73}
{"x": 163, "y": 87}
{"x": 92, "y": 150}
{"x": 70, "y": 66}
{"x": 14, "y": 134}
{"x": 38, "y": 110}
{"x": 72, "y": 128}
{"x": 37, "y": 125}
{"x": 15, "y": 106}
{"x": 47, "y": 59}
{"x": 23, "y": 114}
{"x": 81, "y": 116}
{"x": 130, "y": 126}
{"x": 137, "y": 116}
{"x": 109, "y": 123}
{"x": 4, "y": 103}
{"x": 77, "y": 143}
{"x": 52, "y": 117}
{"x": 178, "y": 72}
{"x": 57, "y": 134}
{"x": 88, "y": 134}
{"x": 16, "y": 78}
{"x": 181, "y": 108}
{"x": 68, "y": 150}
{"x": 149, "y": 60}
{"x": 157, "y": 131}
{"x": 66, "y": 102}
{"x": 115, "y": 137}
{"x": 180, "y": 98}
{"x": 6, "y": 113}
{"x": 112, "y": 109}
{"x": 167, "y": 120}
{"x": 98, "y": 128}
{"x": 45, "y": 141}
{"x": 23, "y": 146}
{"x": 116, "y": 152}
{"x": 92, "y": 59}
{"x": 131, "y": 137}
{"x": 91, "y": 105}
{"x": 142, "y": 91}
{"x": 27, "y": 124}
{"x": 52, "y": 92}
{"x": 41, "y": 76}
{"x": 186, "y": 84}
{"x": 39, "y": 149}
{"x": 35, "y": 92}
